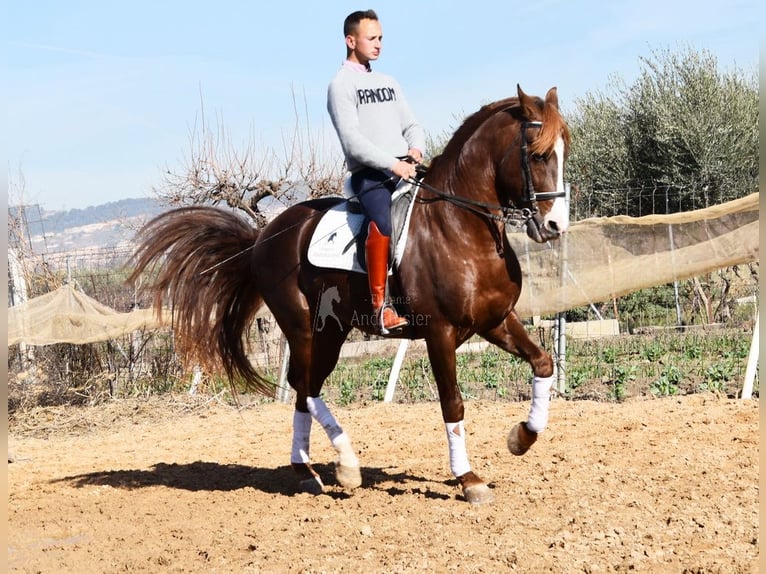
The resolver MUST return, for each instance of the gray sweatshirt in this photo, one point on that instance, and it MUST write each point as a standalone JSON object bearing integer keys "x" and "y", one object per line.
{"x": 372, "y": 118}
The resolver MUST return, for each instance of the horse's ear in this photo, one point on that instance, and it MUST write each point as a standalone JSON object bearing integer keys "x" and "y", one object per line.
{"x": 552, "y": 97}
{"x": 526, "y": 102}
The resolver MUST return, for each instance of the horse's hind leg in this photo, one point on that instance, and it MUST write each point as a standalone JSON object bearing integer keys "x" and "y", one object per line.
{"x": 512, "y": 336}
{"x": 312, "y": 359}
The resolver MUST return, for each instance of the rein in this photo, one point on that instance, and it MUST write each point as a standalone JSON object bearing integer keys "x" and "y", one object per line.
{"x": 509, "y": 215}
{"x": 514, "y": 216}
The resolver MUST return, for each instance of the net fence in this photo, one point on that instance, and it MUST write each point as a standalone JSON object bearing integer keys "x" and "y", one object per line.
{"x": 597, "y": 259}
{"x": 602, "y": 258}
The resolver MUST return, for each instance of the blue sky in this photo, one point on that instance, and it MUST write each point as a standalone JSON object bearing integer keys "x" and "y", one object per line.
{"x": 103, "y": 96}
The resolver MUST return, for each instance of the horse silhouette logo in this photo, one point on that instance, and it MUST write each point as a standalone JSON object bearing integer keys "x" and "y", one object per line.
{"x": 325, "y": 309}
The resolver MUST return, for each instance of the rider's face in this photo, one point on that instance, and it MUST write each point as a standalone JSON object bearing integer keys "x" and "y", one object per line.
{"x": 365, "y": 44}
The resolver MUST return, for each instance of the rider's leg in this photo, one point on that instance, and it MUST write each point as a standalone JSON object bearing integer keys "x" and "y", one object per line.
{"x": 376, "y": 248}
{"x": 374, "y": 191}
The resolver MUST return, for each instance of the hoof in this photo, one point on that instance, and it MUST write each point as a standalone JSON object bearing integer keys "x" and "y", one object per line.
{"x": 348, "y": 476}
{"x": 474, "y": 489}
{"x": 520, "y": 439}
{"x": 311, "y": 485}
{"x": 479, "y": 494}
{"x": 309, "y": 480}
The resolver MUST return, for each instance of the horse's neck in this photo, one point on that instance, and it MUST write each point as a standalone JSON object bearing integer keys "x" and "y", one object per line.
{"x": 444, "y": 225}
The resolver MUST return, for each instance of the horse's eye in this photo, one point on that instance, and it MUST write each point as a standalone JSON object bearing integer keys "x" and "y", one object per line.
{"x": 539, "y": 157}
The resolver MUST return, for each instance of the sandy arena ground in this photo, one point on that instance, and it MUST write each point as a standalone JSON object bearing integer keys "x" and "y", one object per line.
{"x": 659, "y": 485}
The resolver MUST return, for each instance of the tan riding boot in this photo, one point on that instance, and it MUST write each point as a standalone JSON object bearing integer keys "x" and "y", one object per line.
{"x": 376, "y": 251}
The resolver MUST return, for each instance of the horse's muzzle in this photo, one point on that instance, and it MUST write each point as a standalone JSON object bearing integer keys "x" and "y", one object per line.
{"x": 540, "y": 231}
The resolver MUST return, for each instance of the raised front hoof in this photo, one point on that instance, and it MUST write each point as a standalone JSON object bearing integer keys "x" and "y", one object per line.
{"x": 520, "y": 439}
{"x": 348, "y": 477}
{"x": 474, "y": 489}
{"x": 309, "y": 481}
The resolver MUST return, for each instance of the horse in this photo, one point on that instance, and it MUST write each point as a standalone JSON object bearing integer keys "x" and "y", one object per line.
{"x": 459, "y": 277}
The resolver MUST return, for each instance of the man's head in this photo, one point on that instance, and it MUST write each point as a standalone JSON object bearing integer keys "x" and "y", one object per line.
{"x": 363, "y": 36}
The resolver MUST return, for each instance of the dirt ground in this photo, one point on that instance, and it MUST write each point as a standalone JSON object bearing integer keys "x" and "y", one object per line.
{"x": 650, "y": 485}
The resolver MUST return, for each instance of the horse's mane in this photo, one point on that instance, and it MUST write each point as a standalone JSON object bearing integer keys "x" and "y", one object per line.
{"x": 469, "y": 126}
{"x": 553, "y": 127}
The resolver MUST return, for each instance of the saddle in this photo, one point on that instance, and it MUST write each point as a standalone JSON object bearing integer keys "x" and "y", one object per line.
{"x": 338, "y": 239}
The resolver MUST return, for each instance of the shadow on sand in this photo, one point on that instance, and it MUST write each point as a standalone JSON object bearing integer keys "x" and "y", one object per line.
{"x": 213, "y": 476}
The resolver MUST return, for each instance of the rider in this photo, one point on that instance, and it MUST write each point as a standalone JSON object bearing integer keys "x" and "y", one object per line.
{"x": 376, "y": 127}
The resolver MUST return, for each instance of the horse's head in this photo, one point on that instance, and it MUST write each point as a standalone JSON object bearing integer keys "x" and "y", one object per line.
{"x": 512, "y": 152}
{"x": 530, "y": 169}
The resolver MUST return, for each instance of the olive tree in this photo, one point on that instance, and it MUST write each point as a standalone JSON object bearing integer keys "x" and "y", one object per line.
{"x": 683, "y": 136}
{"x": 684, "y": 126}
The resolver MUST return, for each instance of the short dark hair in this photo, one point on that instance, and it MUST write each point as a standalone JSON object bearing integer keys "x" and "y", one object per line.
{"x": 351, "y": 23}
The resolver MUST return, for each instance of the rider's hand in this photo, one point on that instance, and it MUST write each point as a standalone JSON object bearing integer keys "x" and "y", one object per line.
{"x": 404, "y": 169}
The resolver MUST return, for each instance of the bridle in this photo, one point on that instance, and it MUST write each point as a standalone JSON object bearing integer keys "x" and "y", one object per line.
{"x": 509, "y": 215}
{"x": 531, "y": 196}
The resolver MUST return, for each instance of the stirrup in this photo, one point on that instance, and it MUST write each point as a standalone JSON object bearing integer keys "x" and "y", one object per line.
{"x": 403, "y": 322}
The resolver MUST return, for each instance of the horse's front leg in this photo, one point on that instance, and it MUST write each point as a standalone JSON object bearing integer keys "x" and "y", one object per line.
{"x": 441, "y": 352}
{"x": 512, "y": 336}
{"x": 300, "y": 458}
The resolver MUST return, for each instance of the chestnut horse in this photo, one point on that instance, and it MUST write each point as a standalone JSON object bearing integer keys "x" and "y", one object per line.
{"x": 458, "y": 277}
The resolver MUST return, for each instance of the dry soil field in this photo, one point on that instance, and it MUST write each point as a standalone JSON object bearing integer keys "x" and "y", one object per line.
{"x": 658, "y": 485}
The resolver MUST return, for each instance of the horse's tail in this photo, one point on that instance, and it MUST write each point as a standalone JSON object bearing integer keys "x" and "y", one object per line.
{"x": 203, "y": 264}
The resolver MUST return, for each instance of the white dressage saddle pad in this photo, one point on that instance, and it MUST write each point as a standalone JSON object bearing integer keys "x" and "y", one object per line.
{"x": 334, "y": 243}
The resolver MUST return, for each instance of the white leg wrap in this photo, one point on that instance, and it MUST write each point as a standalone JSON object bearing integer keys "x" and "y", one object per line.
{"x": 541, "y": 398}
{"x": 323, "y": 416}
{"x": 458, "y": 457}
{"x": 301, "y": 437}
{"x": 340, "y": 440}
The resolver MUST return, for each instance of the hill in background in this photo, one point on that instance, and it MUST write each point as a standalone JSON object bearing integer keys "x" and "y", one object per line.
{"x": 59, "y": 221}
{"x": 96, "y": 227}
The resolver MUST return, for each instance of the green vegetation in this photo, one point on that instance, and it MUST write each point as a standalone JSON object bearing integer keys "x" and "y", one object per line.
{"x": 659, "y": 364}
{"x": 610, "y": 369}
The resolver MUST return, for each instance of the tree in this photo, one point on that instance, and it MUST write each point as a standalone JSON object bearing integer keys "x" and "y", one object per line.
{"x": 683, "y": 127}
{"x": 259, "y": 183}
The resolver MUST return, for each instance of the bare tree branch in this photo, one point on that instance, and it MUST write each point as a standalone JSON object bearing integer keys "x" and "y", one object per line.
{"x": 258, "y": 183}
